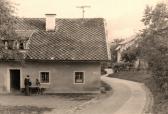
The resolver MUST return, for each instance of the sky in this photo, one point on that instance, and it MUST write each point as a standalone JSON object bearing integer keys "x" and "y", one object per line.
{"x": 122, "y": 16}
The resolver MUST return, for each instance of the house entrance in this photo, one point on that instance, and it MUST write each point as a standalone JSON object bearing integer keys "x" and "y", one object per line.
{"x": 14, "y": 80}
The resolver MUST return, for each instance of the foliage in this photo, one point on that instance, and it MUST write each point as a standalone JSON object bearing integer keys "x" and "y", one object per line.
{"x": 7, "y": 20}
{"x": 7, "y": 31}
{"x": 154, "y": 42}
{"x": 122, "y": 66}
{"x": 131, "y": 53}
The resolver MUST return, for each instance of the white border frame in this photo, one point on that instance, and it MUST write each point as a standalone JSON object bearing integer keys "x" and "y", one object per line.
{"x": 8, "y": 78}
{"x": 83, "y": 77}
{"x": 49, "y": 77}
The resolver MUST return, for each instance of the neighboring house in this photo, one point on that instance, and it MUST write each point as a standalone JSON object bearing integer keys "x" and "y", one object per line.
{"x": 64, "y": 54}
{"x": 123, "y": 46}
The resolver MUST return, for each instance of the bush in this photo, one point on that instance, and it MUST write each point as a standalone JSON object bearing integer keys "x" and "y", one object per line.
{"x": 103, "y": 71}
{"x": 105, "y": 86}
{"x": 159, "y": 69}
{"x": 122, "y": 66}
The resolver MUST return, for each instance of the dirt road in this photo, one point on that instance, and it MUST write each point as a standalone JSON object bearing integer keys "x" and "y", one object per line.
{"x": 128, "y": 98}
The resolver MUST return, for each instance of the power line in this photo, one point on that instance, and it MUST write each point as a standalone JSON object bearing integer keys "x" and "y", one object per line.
{"x": 83, "y": 9}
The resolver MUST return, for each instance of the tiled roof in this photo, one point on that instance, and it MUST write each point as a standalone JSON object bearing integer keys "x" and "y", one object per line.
{"x": 128, "y": 40}
{"x": 30, "y": 24}
{"x": 73, "y": 39}
{"x": 25, "y": 34}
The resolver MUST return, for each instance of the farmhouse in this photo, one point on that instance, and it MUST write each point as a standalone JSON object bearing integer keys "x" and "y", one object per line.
{"x": 64, "y": 54}
{"x": 124, "y": 45}
{"x": 139, "y": 63}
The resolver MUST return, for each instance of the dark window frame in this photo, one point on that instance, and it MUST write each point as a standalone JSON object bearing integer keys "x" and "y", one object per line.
{"x": 45, "y": 77}
{"x": 79, "y": 77}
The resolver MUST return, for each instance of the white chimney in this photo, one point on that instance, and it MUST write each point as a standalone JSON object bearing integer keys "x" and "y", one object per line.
{"x": 50, "y": 22}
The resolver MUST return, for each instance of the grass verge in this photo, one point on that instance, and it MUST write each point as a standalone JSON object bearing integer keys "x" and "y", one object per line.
{"x": 160, "y": 101}
{"x": 23, "y": 110}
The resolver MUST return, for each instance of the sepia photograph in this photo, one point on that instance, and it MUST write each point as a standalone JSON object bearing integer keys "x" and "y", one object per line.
{"x": 83, "y": 56}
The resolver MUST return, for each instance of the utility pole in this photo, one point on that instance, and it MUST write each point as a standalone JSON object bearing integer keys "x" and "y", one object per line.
{"x": 83, "y": 10}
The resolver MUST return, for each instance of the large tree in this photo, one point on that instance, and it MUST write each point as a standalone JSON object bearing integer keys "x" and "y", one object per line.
{"x": 7, "y": 31}
{"x": 154, "y": 42}
{"x": 7, "y": 19}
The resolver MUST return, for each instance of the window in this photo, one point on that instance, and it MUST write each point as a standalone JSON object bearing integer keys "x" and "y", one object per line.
{"x": 8, "y": 44}
{"x": 11, "y": 44}
{"x": 79, "y": 77}
{"x": 44, "y": 77}
{"x": 21, "y": 46}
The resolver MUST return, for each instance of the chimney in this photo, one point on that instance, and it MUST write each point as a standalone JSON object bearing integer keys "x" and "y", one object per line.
{"x": 50, "y": 22}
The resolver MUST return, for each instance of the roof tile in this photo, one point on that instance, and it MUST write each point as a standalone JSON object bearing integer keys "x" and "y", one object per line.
{"x": 73, "y": 39}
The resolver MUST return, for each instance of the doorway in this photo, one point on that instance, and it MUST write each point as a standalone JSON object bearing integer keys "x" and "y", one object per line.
{"x": 14, "y": 80}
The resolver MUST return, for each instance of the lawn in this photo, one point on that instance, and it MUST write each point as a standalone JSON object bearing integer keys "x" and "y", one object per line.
{"x": 133, "y": 76}
{"x": 160, "y": 101}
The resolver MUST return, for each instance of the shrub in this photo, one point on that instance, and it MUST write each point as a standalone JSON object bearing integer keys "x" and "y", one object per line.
{"x": 122, "y": 66}
{"x": 159, "y": 69}
{"x": 103, "y": 71}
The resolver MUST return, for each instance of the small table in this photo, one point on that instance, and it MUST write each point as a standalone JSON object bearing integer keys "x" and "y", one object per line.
{"x": 36, "y": 89}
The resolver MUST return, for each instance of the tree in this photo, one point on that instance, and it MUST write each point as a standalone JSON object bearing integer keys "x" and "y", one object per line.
{"x": 7, "y": 20}
{"x": 130, "y": 54}
{"x": 154, "y": 42}
{"x": 7, "y": 30}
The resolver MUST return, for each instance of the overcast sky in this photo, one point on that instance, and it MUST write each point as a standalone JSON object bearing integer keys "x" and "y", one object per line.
{"x": 122, "y": 16}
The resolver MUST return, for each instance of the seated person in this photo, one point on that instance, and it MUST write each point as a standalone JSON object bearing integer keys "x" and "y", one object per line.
{"x": 37, "y": 82}
{"x": 38, "y": 85}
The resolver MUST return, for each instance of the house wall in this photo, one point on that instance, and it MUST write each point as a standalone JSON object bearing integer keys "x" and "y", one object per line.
{"x": 118, "y": 56}
{"x": 3, "y": 79}
{"x": 61, "y": 76}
